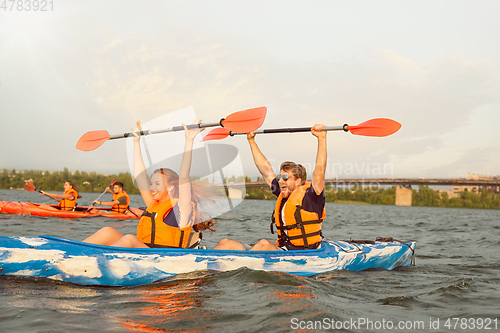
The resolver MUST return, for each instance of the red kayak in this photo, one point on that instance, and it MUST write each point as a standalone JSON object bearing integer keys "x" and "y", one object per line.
{"x": 28, "y": 208}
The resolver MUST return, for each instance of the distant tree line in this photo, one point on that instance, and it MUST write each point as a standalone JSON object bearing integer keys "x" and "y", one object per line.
{"x": 54, "y": 180}
{"x": 429, "y": 198}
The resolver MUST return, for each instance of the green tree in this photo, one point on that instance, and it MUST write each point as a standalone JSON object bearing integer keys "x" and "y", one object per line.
{"x": 65, "y": 174}
{"x": 445, "y": 198}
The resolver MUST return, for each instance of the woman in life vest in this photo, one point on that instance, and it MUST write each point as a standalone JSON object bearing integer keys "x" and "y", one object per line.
{"x": 172, "y": 204}
{"x": 68, "y": 198}
{"x": 120, "y": 201}
{"x": 300, "y": 207}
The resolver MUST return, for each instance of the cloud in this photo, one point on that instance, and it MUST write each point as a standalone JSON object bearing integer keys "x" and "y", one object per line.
{"x": 476, "y": 160}
{"x": 148, "y": 77}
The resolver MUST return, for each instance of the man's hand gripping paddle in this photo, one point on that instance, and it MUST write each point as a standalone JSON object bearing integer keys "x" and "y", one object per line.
{"x": 88, "y": 209}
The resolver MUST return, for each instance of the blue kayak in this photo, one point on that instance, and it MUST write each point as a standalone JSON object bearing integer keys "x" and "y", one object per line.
{"x": 88, "y": 264}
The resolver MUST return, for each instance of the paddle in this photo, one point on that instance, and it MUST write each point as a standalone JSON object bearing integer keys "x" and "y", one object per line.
{"x": 112, "y": 183}
{"x": 375, "y": 127}
{"x": 30, "y": 187}
{"x": 242, "y": 121}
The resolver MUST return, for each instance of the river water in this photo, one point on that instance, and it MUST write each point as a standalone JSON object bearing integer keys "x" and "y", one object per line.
{"x": 454, "y": 287}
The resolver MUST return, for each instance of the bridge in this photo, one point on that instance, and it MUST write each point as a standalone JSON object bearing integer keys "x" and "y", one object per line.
{"x": 403, "y": 185}
{"x": 388, "y": 181}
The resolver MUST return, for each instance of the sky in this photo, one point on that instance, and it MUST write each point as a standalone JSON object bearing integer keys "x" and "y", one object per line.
{"x": 433, "y": 66}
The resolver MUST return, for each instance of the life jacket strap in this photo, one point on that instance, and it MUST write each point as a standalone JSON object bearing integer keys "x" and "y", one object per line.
{"x": 182, "y": 238}
{"x": 192, "y": 246}
{"x": 290, "y": 227}
{"x": 300, "y": 224}
{"x": 153, "y": 227}
{"x": 72, "y": 209}
{"x": 272, "y": 223}
{"x": 309, "y": 235}
{"x": 157, "y": 246}
{"x": 119, "y": 208}
{"x": 297, "y": 225}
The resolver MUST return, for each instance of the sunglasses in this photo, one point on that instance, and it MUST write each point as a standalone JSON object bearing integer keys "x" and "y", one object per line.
{"x": 285, "y": 177}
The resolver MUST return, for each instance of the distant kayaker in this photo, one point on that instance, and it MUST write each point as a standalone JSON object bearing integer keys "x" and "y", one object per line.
{"x": 121, "y": 200}
{"x": 172, "y": 205}
{"x": 69, "y": 197}
{"x": 300, "y": 207}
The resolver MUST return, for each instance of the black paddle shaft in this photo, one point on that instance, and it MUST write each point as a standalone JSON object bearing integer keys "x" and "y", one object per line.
{"x": 294, "y": 130}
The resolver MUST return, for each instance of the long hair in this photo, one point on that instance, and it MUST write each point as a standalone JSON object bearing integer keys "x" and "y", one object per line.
{"x": 74, "y": 187}
{"x": 200, "y": 192}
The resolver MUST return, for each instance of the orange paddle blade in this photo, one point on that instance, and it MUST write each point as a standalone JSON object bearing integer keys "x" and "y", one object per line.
{"x": 216, "y": 134}
{"x": 376, "y": 127}
{"x": 29, "y": 187}
{"x": 92, "y": 140}
{"x": 245, "y": 121}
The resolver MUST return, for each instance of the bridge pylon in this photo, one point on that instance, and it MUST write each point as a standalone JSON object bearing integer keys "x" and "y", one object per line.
{"x": 404, "y": 195}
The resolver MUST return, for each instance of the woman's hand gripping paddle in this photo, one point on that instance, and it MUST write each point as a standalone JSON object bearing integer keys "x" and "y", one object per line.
{"x": 375, "y": 127}
{"x": 240, "y": 122}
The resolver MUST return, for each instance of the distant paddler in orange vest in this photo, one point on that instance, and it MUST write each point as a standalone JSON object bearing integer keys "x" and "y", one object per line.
{"x": 121, "y": 200}
{"x": 300, "y": 208}
{"x": 172, "y": 218}
{"x": 69, "y": 197}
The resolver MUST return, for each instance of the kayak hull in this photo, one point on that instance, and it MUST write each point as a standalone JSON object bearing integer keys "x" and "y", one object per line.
{"x": 28, "y": 208}
{"x": 88, "y": 264}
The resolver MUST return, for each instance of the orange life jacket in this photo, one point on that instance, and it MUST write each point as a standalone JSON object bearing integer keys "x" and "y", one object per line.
{"x": 67, "y": 204}
{"x": 153, "y": 232}
{"x": 302, "y": 228}
{"x": 119, "y": 208}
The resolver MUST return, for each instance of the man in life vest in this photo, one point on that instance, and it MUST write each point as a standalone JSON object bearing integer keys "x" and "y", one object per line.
{"x": 300, "y": 208}
{"x": 120, "y": 202}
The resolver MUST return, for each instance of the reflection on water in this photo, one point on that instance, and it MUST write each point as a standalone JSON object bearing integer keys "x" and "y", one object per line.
{"x": 170, "y": 303}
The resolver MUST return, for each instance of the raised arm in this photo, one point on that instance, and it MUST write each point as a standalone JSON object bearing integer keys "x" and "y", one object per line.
{"x": 318, "y": 177}
{"x": 184, "y": 203}
{"x": 140, "y": 176}
{"x": 260, "y": 160}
